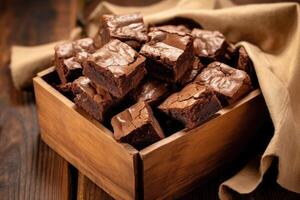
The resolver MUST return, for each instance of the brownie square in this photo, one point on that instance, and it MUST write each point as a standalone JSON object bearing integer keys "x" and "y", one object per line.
{"x": 244, "y": 62}
{"x": 128, "y": 28}
{"x": 116, "y": 67}
{"x": 229, "y": 83}
{"x": 94, "y": 100}
{"x": 169, "y": 53}
{"x": 209, "y": 45}
{"x": 69, "y": 57}
{"x": 174, "y": 29}
{"x": 167, "y": 62}
{"x": 192, "y": 72}
{"x": 174, "y": 36}
{"x": 137, "y": 126}
{"x": 152, "y": 91}
{"x": 193, "y": 105}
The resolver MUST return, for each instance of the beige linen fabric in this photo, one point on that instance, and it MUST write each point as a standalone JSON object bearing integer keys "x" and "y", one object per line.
{"x": 27, "y": 61}
{"x": 271, "y": 35}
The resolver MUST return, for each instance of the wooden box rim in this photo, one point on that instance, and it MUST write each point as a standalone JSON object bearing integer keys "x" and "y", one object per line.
{"x": 156, "y": 145}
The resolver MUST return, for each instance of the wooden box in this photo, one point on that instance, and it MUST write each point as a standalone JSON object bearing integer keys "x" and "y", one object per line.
{"x": 162, "y": 170}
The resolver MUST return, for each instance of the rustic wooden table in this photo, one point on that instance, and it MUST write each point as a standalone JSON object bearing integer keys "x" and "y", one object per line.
{"x": 29, "y": 169}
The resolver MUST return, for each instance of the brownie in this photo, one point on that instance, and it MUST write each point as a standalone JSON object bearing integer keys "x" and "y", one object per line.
{"x": 209, "y": 45}
{"x": 175, "y": 36}
{"x": 192, "y": 72}
{"x": 193, "y": 105}
{"x": 169, "y": 55}
{"x": 179, "y": 29}
{"x": 128, "y": 28}
{"x": 152, "y": 91}
{"x": 243, "y": 62}
{"x": 116, "y": 67}
{"x": 228, "y": 83}
{"x": 137, "y": 126}
{"x": 94, "y": 100}
{"x": 69, "y": 57}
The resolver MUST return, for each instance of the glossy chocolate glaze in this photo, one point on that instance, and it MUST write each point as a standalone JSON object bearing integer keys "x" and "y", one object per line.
{"x": 84, "y": 84}
{"x": 189, "y": 95}
{"x": 179, "y": 29}
{"x": 222, "y": 78}
{"x": 69, "y": 49}
{"x": 94, "y": 100}
{"x": 179, "y": 40}
{"x": 70, "y": 56}
{"x": 162, "y": 52}
{"x": 115, "y": 56}
{"x": 129, "y": 26}
{"x": 208, "y": 43}
{"x": 137, "y": 125}
{"x": 194, "y": 104}
{"x": 152, "y": 91}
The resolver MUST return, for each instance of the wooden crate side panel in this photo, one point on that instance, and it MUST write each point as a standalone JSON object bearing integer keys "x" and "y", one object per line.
{"x": 88, "y": 146}
{"x": 185, "y": 157}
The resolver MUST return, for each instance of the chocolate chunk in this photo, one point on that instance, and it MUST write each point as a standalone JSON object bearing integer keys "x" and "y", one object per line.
{"x": 209, "y": 45}
{"x": 69, "y": 57}
{"x": 179, "y": 29}
{"x": 192, "y": 72}
{"x": 170, "y": 35}
{"x": 94, "y": 100}
{"x": 244, "y": 63}
{"x": 170, "y": 55}
{"x": 137, "y": 126}
{"x": 116, "y": 67}
{"x": 129, "y": 28}
{"x": 151, "y": 91}
{"x": 229, "y": 83}
{"x": 193, "y": 105}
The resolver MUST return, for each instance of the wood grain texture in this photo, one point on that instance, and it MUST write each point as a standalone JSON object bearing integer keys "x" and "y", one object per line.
{"x": 85, "y": 143}
{"x": 29, "y": 169}
{"x": 178, "y": 162}
{"x": 87, "y": 190}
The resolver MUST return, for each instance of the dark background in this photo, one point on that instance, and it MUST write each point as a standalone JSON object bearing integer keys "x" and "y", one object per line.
{"x": 29, "y": 169}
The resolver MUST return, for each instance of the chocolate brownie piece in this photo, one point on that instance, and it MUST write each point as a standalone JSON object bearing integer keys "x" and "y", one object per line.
{"x": 192, "y": 72}
{"x": 169, "y": 55}
{"x": 116, "y": 67}
{"x": 209, "y": 45}
{"x": 137, "y": 126}
{"x": 171, "y": 35}
{"x": 179, "y": 29}
{"x": 152, "y": 91}
{"x": 244, "y": 62}
{"x": 94, "y": 100}
{"x": 69, "y": 57}
{"x": 128, "y": 28}
{"x": 229, "y": 83}
{"x": 193, "y": 105}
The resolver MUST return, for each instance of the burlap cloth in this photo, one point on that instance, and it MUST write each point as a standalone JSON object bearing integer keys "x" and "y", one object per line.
{"x": 271, "y": 35}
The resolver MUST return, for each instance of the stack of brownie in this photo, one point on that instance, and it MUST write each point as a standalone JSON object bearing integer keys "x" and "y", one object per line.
{"x": 170, "y": 71}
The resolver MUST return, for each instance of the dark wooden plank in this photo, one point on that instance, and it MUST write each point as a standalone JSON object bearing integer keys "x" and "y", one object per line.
{"x": 29, "y": 169}
{"x": 87, "y": 190}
